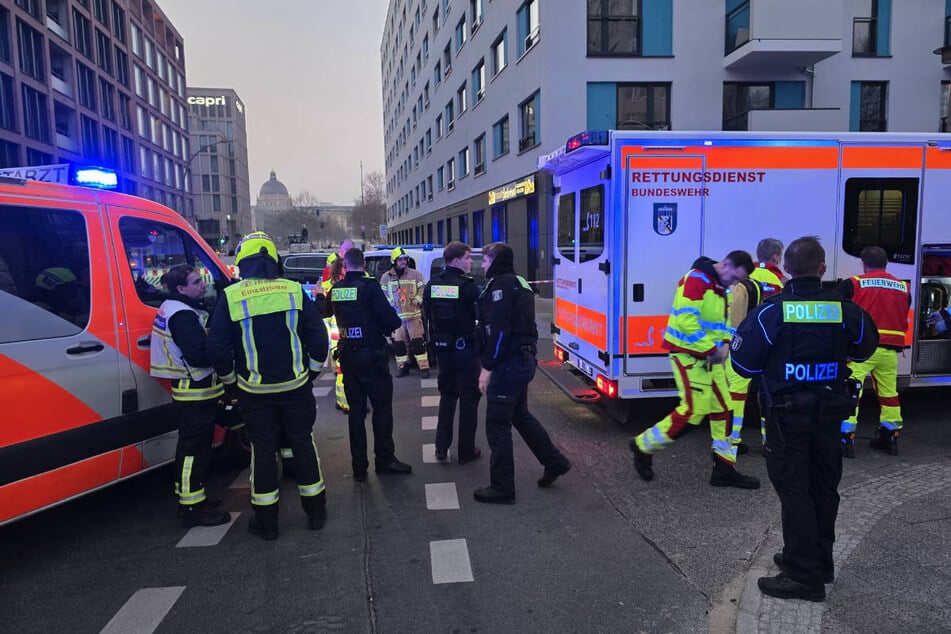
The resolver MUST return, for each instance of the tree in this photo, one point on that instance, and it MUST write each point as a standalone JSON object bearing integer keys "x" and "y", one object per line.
{"x": 370, "y": 209}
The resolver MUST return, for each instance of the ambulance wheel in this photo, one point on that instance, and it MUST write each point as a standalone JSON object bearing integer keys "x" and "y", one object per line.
{"x": 238, "y": 447}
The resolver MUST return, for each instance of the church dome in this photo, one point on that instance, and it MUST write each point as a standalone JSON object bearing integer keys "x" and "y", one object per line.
{"x": 273, "y": 187}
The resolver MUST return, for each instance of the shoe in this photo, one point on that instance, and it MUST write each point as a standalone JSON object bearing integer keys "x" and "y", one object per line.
{"x": 827, "y": 576}
{"x": 255, "y": 528}
{"x": 726, "y": 475}
{"x": 394, "y": 466}
{"x": 345, "y": 410}
{"x": 553, "y": 473}
{"x": 848, "y": 445}
{"x": 475, "y": 455}
{"x": 782, "y": 587}
{"x": 316, "y": 508}
{"x": 643, "y": 462}
{"x": 359, "y": 475}
{"x": 424, "y": 373}
{"x": 442, "y": 456}
{"x": 201, "y": 515}
{"x": 742, "y": 449}
{"x": 402, "y": 371}
{"x": 492, "y": 496}
{"x": 211, "y": 501}
{"x": 887, "y": 441}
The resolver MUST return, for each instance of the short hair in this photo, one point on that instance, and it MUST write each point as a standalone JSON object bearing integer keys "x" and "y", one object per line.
{"x": 493, "y": 249}
{"x": 177, "y": 276}
{"x": 354, "y": 258}
{"x": 455, "y": 250}
{"x": 804, "y": 257}
{"x": 874, "y": 257}
{"x": 768, "y": 248}
{"x": 741, "y": 259}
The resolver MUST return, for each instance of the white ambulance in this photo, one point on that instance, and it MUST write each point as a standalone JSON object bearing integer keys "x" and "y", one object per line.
{"x": 633, "y": 210}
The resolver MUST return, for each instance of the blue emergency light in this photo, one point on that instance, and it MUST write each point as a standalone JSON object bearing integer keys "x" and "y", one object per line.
{"x": 589, "y": 137}
{"x": 98, "y": 177}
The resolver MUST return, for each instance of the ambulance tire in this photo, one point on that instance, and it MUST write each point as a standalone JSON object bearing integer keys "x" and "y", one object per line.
{"x": 238, "y": 447}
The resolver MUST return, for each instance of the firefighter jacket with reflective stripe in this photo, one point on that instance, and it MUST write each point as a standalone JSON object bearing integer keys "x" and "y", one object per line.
{"x": 404, "y": 292}
{"x": 179, "y": 351}
{"x": 769, "y": 278}
{"x": 449, "y": 304}
{"x": 267, "y": 335}
{"x": 364, "y": 317}
{"x": 506, "y": 317}
{"x": 886, "y": 299}
{"x": 697, "y": 323}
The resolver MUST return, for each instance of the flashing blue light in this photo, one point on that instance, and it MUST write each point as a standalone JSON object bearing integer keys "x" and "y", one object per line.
{"x": 98, "y": 177}
{"x": 589, "y": 137}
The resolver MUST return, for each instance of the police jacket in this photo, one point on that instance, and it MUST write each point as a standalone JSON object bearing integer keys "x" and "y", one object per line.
{"x": 364, "y": 317}
{"x": 404, "y": 291}
{"x": 886, "y": 299}
{"x": 179, "y": 349}
{"x": 266, "y": 334}
{"x": 506, "y": 314}
{"x": 698, "y": 318}
{"x": 802, "y": 339}
{"x": 449, "y": 306}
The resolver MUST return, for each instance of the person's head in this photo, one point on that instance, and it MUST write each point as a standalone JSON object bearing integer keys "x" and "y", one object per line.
{"x": 736, "y": 266}
{"x": 399, "y": 259}
{"x": 337, "y": 269}
{"x": 497, "y": 252}
{"x": 873, "y": 258}
{"x": 805, "y": 257}
{"x": 254, "y": 245}
{"x": 353, "y": 260}
{"x": 458, "y": 254}
{"x": 345, "y": 246}
{"x": 770, "y": 250}
{"x": 184, "y": 280}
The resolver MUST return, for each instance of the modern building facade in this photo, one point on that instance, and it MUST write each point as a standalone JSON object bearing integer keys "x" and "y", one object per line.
{"x": 95, "y": 81}
{"x": 475, "y": 90}
{"x": 218, "y": 173}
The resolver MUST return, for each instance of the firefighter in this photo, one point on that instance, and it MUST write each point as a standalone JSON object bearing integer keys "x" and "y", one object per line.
{"x": 266, "y": 335}
{"x": 887, "y": 300}
{"x": 509, "y": 337}
{"x": 449, "y": 306}
{"x": 697, "y": 338}
{"x": 363, "y": 317}
{"x": 179, "y": 351}
{"x": 403, "y": 287}
{"x": 335, "y": 263}
{"x": 798, "y": 343}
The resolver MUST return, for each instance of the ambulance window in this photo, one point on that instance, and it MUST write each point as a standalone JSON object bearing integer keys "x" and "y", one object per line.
{"x": 566, "y": 226}
{"x": 44, "y": 273}
{"x": 881, "y": 212}
{"x": 591, "y": 232}
{"x": 152, "y": 248}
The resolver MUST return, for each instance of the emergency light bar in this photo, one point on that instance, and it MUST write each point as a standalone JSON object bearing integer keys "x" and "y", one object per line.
{"x": 589, "y": 137}
{"x": 98, "y": 177}
{"x": 65, "y": 174}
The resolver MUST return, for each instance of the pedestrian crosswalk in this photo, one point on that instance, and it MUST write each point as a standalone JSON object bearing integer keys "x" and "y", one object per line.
{"x": 144, "y": 611}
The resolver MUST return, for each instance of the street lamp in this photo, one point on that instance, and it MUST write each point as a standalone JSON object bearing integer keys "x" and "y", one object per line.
{"x": 190, "y": 215}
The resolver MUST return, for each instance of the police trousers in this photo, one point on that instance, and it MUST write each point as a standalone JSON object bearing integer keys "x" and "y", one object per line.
{"x": 193, "y": 452}
{"x": 804, "y": 462}
{"x": 366, "y": 375}
{"x": 268, "y": 418}
{"x": 458, "y": 381}
{"x": 507, "y": 407}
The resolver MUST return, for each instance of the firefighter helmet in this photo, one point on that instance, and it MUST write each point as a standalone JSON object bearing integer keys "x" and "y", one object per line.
{"x": 397, "y": 253}
{"x": 55, "y": 276}
{"x": 257, "y": 243}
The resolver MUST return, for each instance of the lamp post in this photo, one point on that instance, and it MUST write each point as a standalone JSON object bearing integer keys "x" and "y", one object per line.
{"x": 363, "y": 207}
{"x": 190, "y": 215}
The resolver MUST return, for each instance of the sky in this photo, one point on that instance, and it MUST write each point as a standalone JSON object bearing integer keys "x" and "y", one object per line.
{"x": 308, "y": 73}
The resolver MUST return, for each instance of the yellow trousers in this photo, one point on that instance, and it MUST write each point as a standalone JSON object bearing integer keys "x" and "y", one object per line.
{"x": 883, "y": 366}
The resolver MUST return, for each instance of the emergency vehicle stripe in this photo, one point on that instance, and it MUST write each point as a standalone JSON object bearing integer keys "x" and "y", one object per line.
{"x": 882, "y": 157}
{"x": 754, "y": 157}
{"x": 937, "y": 159}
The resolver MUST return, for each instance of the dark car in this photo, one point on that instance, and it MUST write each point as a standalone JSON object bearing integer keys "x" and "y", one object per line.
{"x": 306, "y": 268}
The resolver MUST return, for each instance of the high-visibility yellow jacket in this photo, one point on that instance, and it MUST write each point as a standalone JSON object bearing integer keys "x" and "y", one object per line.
{"x": 698, "y": 318}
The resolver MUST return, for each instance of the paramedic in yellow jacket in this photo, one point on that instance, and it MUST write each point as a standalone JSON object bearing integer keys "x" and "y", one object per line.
{"x": 698, "y": 338}
{"x": 403, "y": 287}
{"x": 335, "y": 274}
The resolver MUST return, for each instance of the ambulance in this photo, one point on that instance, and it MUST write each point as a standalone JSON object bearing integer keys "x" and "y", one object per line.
{"x": 79, "y": 287}
{"x": 633, "y": 210}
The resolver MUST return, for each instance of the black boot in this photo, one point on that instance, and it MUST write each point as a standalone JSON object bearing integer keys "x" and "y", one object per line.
{"x": 316, "y": 508}
{"x": 493, "y": 496}
{"x": 394, "y": 466}
{"x": 828, "y": 576}
{"x": 726, "y": 475}
{"x": 783, "y": 587}
{"x": 402, "y": 371}
{"x": 264, "y": 522}
{"x": 643, "y": 462}
{"x": 201, "y": 514}
{"x": 887, "y": 441}
{"x": 848, "y": 444}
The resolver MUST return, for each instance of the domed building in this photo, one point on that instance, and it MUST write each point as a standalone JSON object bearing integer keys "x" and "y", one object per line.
{"x": 273, "y": 194}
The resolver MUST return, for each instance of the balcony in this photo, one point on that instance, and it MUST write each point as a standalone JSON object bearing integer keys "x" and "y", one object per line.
{"x": 778, "y": 34}
{"x": 945, "y": 51}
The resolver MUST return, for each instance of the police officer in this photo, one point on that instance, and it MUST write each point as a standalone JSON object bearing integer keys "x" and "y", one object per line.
{"x": 449, "y": 306}
{"x": 179, "y": 351}
{"x": 363, "y": 316}
{"x": 267, "y": 336}
{"x": 799, "y": 342}
{"x": 509, "y": 336}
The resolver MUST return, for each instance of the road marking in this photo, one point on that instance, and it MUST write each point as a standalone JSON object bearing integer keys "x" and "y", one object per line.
{"x": 243, "y": 481}
{"x": 424, "y": 383}
{"x": 144, "y": 611}
{"x": 429, "y": 453}
{"x": 206, "y": 535}
{"x": 450, "y": 561}
{"x": 429, "y": 422}
{"x": 430, "y": 401}
{"x": 330, "y": 375}
{"x": 442, "y": 496}
{"x": 321, "y": 392}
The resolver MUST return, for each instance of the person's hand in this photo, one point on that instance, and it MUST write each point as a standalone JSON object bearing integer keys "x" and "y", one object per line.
{"x": 484, "y": 376}
{"x": 722, "y": 354}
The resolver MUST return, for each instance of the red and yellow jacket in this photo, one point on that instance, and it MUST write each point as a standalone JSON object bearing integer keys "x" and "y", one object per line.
{"x": 697, "y": 323}
{"x": 769, "y": 278}
{"x": 886, "y": 299}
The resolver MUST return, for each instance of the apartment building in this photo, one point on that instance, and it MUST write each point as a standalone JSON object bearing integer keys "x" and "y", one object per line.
{"x": 217, "y": 168}
{"x": 475, "y": 90}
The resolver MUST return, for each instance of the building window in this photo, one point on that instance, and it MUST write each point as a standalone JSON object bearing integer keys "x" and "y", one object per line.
{"x": 125, "y": 116}
{"x": 450, "y": 117}
{"x": 865, "y": 28}
{"x": 86, "y": 82}
{"x": 945, "y": 106}
{"x": 108, "y": 94}
{"x": 478, "y": 82}
{"x": 643, "y": 107}
{"x": 479, "y": 146}
{"x": 122, "y": 67}
{"x": 476, "y": 11}
{"x": 110, "y": 146}
{"x": 8, "y": 119}
{"x": 5, "y": 47}
{"x": 429, "y": 140}
{"x": 103, "y": 52}
{"x": 447, "y": 60}
{"x": 461, "y": 100}
{"x": 613, "y": 28}
{"x": 739, "y": 99}
{"x": 83, "y": 41}
{"x": 500, "y": 137}
{"x": 118, "y": 22}
{"x": 477, "y": 240}
{"x": 90, "y": 132}
{"x": 31, "y": 51}
{"x": 464, "y": 162}
{"x": 499, "y": 54}
{"x": 426, "y": 47}
{"x": 527, "y": 21}
{"x": 463, "y": 228}
{"x": 437, "y": 73}
{"x": 438, "y": 126}
{"x": 737, "y": 25}
{"x": 451, "y": 174}
{"x": 36, "y": 119}
{"x": 30, "y": 6}
{"x": 529, "y": 119}
{"x": 461, "y": 33}
{"x": 872, "y": 101}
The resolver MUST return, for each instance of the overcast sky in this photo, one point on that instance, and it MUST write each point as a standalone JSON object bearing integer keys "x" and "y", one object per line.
{"x": 308, "y": 72}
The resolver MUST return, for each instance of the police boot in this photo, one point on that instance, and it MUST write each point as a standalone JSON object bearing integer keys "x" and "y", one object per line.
{"x": 726, "y": 475}
{"x": 316, "y": 508}
{"x": 643, "y": 462}
{"x": 887, "y": 441}
{"x": 402, "y": 371}
{"x": 201, "y": 514}
{"x": 264, "y": 522}
{"x": 848, "y": 445}
{"x": 782, "y": 587}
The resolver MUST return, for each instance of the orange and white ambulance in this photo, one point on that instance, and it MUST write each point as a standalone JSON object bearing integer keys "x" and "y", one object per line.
{"x": 79, "y": 286}
{"x": 633, "y": 210}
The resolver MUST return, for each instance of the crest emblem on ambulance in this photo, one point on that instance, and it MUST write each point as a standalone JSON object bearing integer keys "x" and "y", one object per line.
{"x": 665, "y": 218}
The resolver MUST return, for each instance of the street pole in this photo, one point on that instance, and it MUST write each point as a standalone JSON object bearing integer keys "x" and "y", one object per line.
{"x": 363, "y": 206}
{"x": 191, "y": 217}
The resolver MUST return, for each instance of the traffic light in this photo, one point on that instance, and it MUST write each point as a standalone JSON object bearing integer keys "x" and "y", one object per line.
{"x": 222, "y": 240}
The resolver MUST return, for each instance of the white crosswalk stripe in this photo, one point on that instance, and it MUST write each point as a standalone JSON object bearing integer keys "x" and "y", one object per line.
{"x": 442, "y": 496}
{"x": 321, "y": 392}
{"x": 450, "y": 561}
{"x": 428, "y": 383}
{"x": 430, "y": 422}
{"x": 144, "y": 611}
{"x": 429, "y": 401}
{"x": 429, "y": 453}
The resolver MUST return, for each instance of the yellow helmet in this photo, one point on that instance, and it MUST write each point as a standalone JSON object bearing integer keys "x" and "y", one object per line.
{"x": 397, "y": 253}
{"x": 254, "y": 244}
{"x": 50, "y": 278}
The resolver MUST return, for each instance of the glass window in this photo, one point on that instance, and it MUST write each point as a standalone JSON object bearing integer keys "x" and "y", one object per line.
{"x": 865, "y": 28}
{"x": 5, "y": 44}
{"x": 872, "y": 106}
{"x": 566, "y": 226}
{"x": 737, "y": 25}
{"x": 527, "y": 20}
{"x": 881, "y": 212}
{"x": 36, "y": 124}
{"x": 528, "y": 114}
{"x": 103, "y": 51}
{"x": 478, "y": 82}
{"x": 464, "y": 228}
{"x": 81, "y": 27}
{"x": 500, "y": 137}
{"x": 8, "y": 119}
{"x": 461, "y": 101}
{"x": 944, "y": 106}
{"x": 613, "y": 28}
{"x": 740, "y": 98}
{"x": 591, "y": 231}
{"x": 499, "y": 53}
{"x": 31, "y": 51}
{"x": 479, "y": 146}
{"x": 461, "y": 33}
{"x": 86, "y": 80}
{"x": 464, "y": 162}
{"x": 500, "y": 223}
{"x": 477, "y": 239}
{"x": 643, "y": 107}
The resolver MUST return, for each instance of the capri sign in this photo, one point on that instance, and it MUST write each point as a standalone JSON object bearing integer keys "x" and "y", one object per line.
{"x": 512, "y": 190}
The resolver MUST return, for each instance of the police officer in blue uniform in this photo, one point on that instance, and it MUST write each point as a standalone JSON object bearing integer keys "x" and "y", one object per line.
{"x": 799, "y": 343}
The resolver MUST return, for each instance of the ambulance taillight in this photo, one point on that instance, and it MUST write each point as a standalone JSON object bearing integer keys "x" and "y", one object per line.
{"x": 561, "y": 355}
{"x": 606, "y": 387}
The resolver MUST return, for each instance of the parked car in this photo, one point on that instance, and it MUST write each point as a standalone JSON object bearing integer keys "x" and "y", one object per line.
{"x": 427, "y": 260}
{"x": 306, "y": 268}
